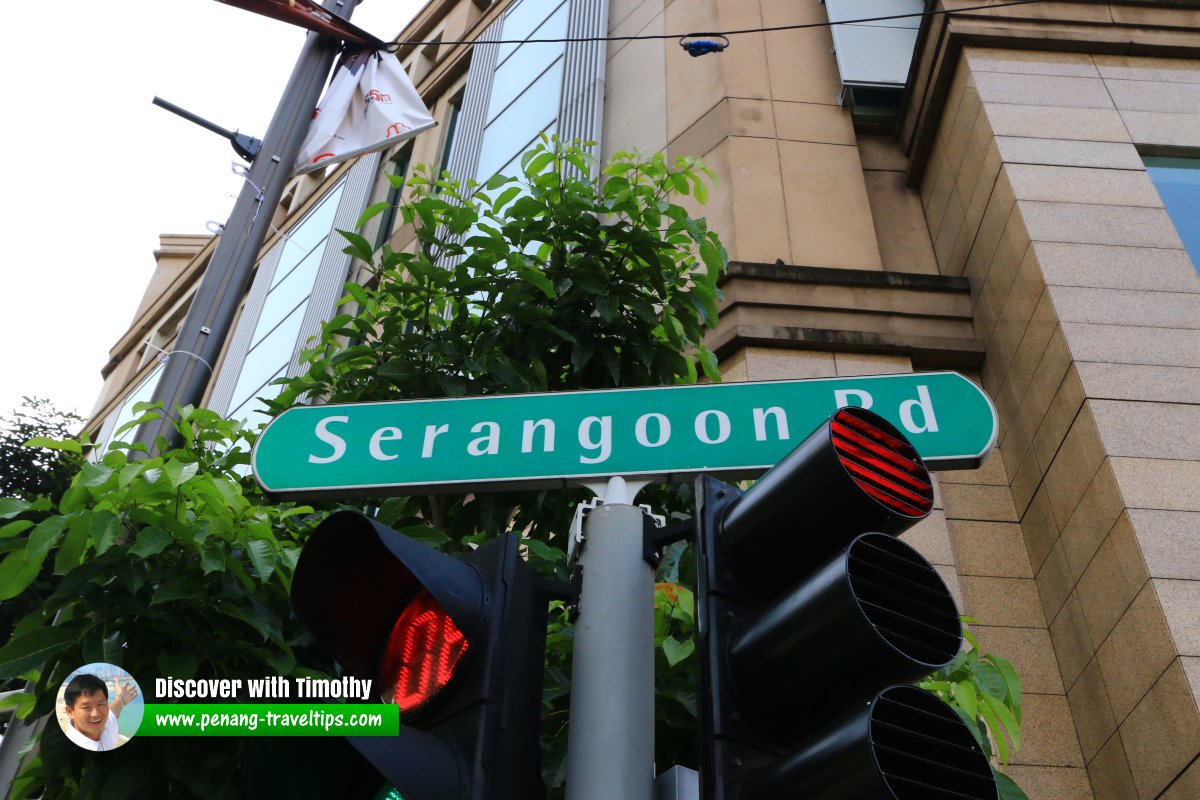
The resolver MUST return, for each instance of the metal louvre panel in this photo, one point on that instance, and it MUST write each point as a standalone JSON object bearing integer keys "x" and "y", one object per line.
{"x": 874, "y": 55}
{"x": 581, "y": 109}
{"x": 874, "y": 52}
{"x": 330, "y": 283}
{"x": 842, "y": 10}
{"x": 468, "y": 134}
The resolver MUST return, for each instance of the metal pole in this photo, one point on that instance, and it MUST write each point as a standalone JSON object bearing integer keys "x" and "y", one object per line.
{"x": 610, "y": 749}
{"x": 186, "y": 374}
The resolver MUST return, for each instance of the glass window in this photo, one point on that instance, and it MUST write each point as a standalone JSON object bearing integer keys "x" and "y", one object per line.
{"x": 307, "y": 235}
{"x": 532, "y": 112}
{"x": 252, "y": 410}
{"x": 522, "y": 20}
{"x": 448, "y": 141}
{"x": 266, "y": 357}
{"x": 284, "y": 296}
{"x": 1178, "y": 183}
{"x": 526, "y": 63}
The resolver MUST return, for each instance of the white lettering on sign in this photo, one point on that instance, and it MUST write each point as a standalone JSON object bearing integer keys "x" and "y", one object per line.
{"x": 489, "y": 443}
{"x": 925, "y": 403}
{"x": 603, "y": 443}
{"x": 531, "y": 427}
{"x": 330, "y": 438}
{"x": 842, "y": 398}
{"x": 595, "y": 433}
{"x": 760, "y": 423}
{"x": 431, "y": 434}
{"x": 379, "y": 437}
{"x": 640, "y": 430}
{"x": 723, "y": 427}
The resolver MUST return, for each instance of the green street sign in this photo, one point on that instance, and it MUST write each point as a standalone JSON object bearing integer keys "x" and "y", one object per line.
{"x": 729, "y": 430}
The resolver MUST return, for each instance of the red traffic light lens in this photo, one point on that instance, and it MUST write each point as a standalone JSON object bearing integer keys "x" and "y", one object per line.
{"x": 881, "y": 462}
{"x": 422, "y": 653}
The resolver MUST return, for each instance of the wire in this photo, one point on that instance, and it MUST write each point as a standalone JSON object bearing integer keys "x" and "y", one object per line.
{"x": 393, "y": 46}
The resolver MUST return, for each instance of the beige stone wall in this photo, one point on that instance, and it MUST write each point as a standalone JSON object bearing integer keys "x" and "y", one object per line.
{"x": 1090, "y": 311}
{"x": 765, "y": 116}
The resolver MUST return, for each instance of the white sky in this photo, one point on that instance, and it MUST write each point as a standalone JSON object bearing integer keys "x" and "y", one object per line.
{"x": 95, "y": 172}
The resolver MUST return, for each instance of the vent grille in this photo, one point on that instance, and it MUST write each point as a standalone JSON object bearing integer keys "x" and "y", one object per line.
{"x": 904, "y": 599}
{"x": 881, "y": 462}
{"x": 925, "y": 751}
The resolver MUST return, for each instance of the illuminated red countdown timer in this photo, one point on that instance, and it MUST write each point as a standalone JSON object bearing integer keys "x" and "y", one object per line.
{"x": 458, "y": 645}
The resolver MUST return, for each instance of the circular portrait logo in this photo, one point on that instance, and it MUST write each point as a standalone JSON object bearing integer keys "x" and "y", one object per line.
{"x": 100, "y": 706}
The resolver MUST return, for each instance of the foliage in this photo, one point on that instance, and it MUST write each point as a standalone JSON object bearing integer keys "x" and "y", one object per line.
{"x": 540, "y": 283}
{"x": 546, "y": 281}
{"x": 29, "y": 469}
{"x": 165, "y": 565}
{"x": 985, "y": 691}
{"x": 32, "y": 471}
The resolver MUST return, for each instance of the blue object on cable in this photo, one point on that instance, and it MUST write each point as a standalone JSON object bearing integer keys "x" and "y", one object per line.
{"x": 696, "y": 46}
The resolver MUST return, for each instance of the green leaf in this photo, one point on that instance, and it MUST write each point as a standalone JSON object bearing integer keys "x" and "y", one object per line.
{"x": 45, "y": 536}
{"x": 988, "y": 712}
{"x": 23, "y": 702}
{"x": 544, "y": 551}
{"x": 17, "y": 572}
{"x": 677, "y": 651}
{"x": 539, "y": 280}
{"x": 11, "y": 506}
{"x": 93, "y": 475}
{"x": 964, "y": 695}
{"x": 538, "y": 164}
{"x": 1007, "y": 787}
{"x": 171, "y": 590}
{"x": 70, "y": 445}
{"x": 178, "y": 472}
{"x": 262, "y": 556}
{"x": 70, "y": 554}
{"x": 150, "y": 542}
{"x": 359, "y": 247}
{"x": 990, "y": 680}
{"x": 212, "y": 560}
{"x": 1004, "y": 715}
{"x": 13, "y": 528}
{"x": 104, "y": 529}
{"x": 32, "y": 650}
{"x": 372, "y": 211}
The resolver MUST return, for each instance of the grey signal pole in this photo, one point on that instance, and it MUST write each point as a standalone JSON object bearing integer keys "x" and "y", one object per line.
{"x": 610, "y": 747}
{"x": 186, "y": 374}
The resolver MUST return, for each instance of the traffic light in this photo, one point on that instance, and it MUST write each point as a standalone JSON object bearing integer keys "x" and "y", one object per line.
{"x": 812, "y": 616}
{"x": 458, "y": 645}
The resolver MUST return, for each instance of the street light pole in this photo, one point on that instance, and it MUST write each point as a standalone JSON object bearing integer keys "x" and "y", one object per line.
{"x": 187, "y": 372}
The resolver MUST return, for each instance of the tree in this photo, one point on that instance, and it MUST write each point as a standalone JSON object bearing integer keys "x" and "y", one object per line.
{"x": 167, "y": 566}
{"x": 27, "y": 472}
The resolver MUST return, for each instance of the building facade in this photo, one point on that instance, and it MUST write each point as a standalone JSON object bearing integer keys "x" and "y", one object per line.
{"x": 1016, "y": 203}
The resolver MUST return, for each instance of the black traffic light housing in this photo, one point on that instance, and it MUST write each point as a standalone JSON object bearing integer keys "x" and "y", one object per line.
{"x": 459, "y": 645}
{"x": 809, "y": 609}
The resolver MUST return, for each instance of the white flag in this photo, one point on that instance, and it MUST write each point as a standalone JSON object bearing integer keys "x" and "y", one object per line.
{"x": 370, "y": 104}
